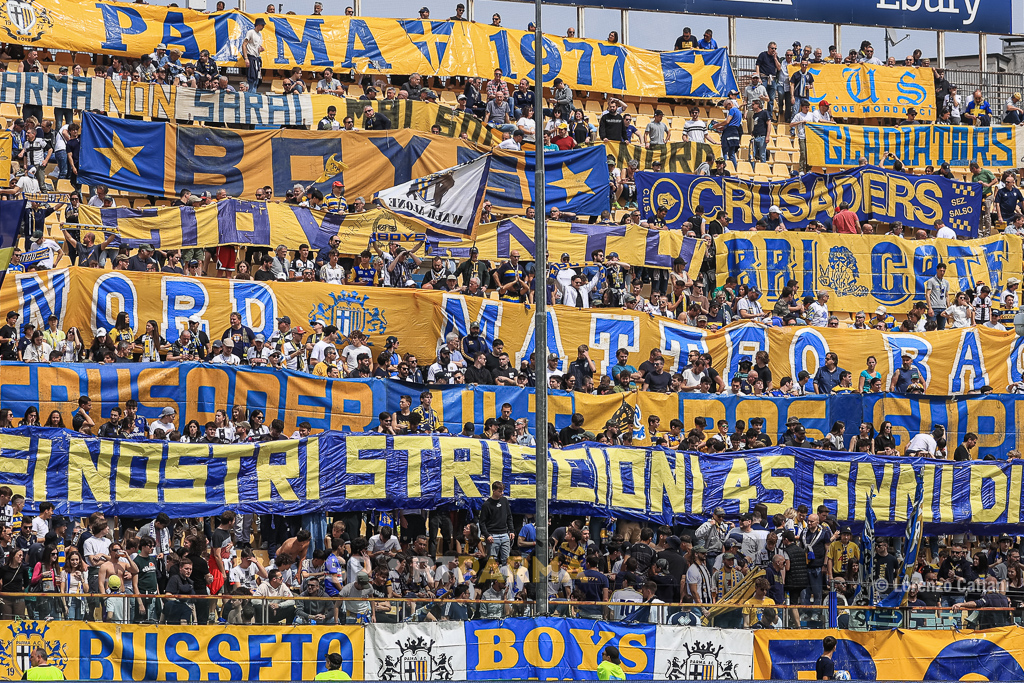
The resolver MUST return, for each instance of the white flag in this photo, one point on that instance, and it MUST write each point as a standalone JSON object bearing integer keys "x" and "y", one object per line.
{"x": 447, "y": 202}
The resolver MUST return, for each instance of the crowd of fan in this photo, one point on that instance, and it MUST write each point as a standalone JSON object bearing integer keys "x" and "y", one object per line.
{"x": 162, "y": 570}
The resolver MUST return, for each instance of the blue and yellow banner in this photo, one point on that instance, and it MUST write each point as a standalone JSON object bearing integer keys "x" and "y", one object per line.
{"x": 235, "y": 221}
{"x": 832, "y": 145}
{"x": 946, "y": 654}
{"x": 862, "y": 272}
{"x": 162, "y": 158}
{"x": 950, "y": 362}
{"x": 371, "y": 45}
{"x": 872, "y": 193}
{"x": 347, "y": 471}
{"x": 556, "y": 649}
{"x": 575, "y": 180}
{"x": 869, "y": 91}
{"x": 196, "y": 391}
{"x": 97, "y": 651}
{"x": 636, "y": 245}
{"x": 11, "y": 213}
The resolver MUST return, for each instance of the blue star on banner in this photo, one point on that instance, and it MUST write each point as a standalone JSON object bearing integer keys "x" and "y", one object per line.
{"x": 697, "y": 73}
{"x": 577, "y": 180}
{"x": 116, "y": 151}
{"x": 427, "y": 34}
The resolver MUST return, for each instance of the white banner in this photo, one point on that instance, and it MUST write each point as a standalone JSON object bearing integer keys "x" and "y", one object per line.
{"x": 446, "y": 202}
{"x": 690, "y": 653}
{"x": 415, "y": 651}
{"x": 164, "y": 102}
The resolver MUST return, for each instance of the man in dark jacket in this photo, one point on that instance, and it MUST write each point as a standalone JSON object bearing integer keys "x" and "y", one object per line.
{"x": 796, "y": 580}
{"x": 496, "y": 525}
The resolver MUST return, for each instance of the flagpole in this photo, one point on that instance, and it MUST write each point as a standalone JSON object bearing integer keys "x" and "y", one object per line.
{"x": 540, "y": 327}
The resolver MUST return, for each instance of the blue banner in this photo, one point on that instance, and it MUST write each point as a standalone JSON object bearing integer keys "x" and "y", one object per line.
{"x": 345, "y": 471}
{"x": 555, "y": 649}
{"x": 12, "y": 212}
{"x": 872, "y": 193}
{"x": 576, "y": 180}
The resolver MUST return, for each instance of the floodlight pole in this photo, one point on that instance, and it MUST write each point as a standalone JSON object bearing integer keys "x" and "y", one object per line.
{"x": 540, "y": 326}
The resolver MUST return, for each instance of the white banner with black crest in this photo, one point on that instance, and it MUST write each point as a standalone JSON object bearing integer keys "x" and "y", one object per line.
{"x": 447, "y": 202}
{"x": 687, "y": 653}
{"x": 415, "y": 652}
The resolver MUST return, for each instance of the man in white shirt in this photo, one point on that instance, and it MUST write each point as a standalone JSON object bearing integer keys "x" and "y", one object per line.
{"x": 818, "y": 311}
{"x": 944, "y": 232}
{"x": 224, "y": 353}
{"x": 925, "y": 444}
{"x": 578, "y": 294}
{"x": 41, "y": 522}
{"x": 166, "y": 422}
{"x": 799, "y": 119}
{"x": 252, "y": 46}
{"x": 329, "y": 340}
{"x": 514, "y": 142}
{"x": 356, "y": 346}
{"x": 626, "y": 594}
{"x": 748, "y": 307}
{"x": 55, "y": 252}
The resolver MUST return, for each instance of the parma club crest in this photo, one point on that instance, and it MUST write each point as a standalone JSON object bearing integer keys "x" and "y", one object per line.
{"x": 18, "y": 640}
{"x": 348, "y": 311}
{"x": 416, "y": 663}
{"x": 701, "y": 662}
{"x": 24, "y": 20}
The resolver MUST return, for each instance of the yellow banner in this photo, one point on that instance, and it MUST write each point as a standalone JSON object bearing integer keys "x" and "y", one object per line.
{"x": 370, "y": 45}
{"x": 413, "y": 114}
{"x": 862, "y": 272}
{"x": 865, "y": 91}
{"x": 953, "y": 361}
{"x": 6, "y": 152}
{"x": 635, "y": 245}
{"x": 253, "y": 224}
{"x": 946, "y": 654}
{"x": 123, "y": 652}
{"x": 836, "y": 146}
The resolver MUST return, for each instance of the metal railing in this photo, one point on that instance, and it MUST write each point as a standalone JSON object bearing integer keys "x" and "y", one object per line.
{"x": 187, "y": 609}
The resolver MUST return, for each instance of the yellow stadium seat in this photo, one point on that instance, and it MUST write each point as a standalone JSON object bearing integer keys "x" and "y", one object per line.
{"x": 65, "y": 58}
{"x": 762, "y": 169}
{"x": 277, "y": 87}
{"x": 788, "y": 144}
{"x": 780, "y": 170}
{"x": 64, "y": 185}
{"x": 645, "y": 108}
{"x": 744, "y": 169}
{"x": 744, "y": 152}
{"x": 9, "y": 110}
{"x": 593, "y": 106}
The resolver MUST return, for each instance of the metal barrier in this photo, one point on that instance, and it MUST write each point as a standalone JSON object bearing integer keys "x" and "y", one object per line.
{"x": 186, "y": 609}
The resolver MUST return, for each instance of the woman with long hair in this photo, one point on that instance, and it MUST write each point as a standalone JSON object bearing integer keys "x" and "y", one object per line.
{"x": 47, "y": 578}
{"x": 198, "y": 553}
{"x": 867, "y": 431}
{"x": 868, "y": 374}
{"x": 55, "y": 420}
{"x": 14, "y": 578}
{"x": 222, "y": 427}
{"x": 242, "y": 271}
{"x": 578, "y": 127}
{"x": 885, "y": 444}
{"x": 122, "y": 330}
{"x": 835, "y": 435}
{"x": 151, "y": 343}
{"x": 6, "y": 418}
{"x": 31, "y": 417}
{"x": 71, "y": 346}
{"x": 192, "y": 433}
{"x": 76, "y": 580}
{"x": 470, "y": 543}
{"x": 101, "y": 346}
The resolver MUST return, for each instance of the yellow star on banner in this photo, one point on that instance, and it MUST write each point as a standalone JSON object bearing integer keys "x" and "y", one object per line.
{"x": 121, "y": 157}
{"x": 700, "y": 73}
{"x": 573, "y": 183}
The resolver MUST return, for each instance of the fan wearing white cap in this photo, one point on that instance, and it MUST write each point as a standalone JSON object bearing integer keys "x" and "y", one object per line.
{"x": 166, "y": 422}
{"x": 774, "y": 219}
{"x": 1012, "y": 289}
